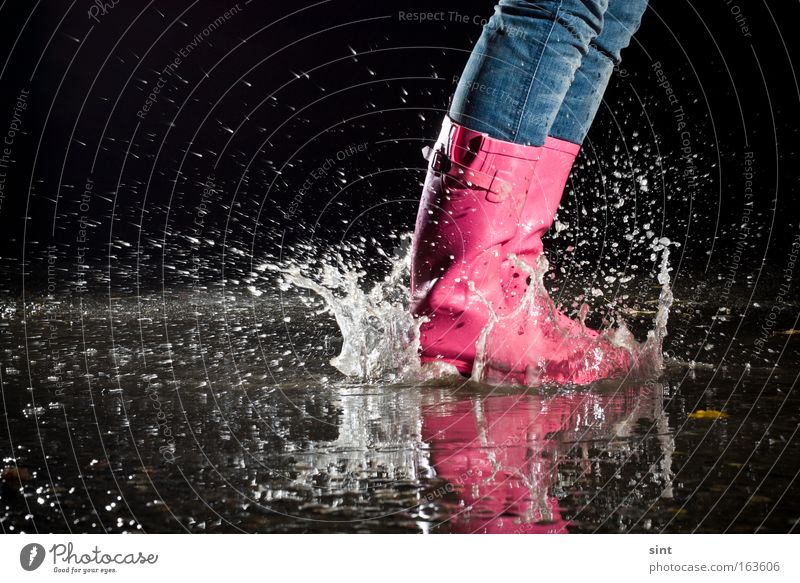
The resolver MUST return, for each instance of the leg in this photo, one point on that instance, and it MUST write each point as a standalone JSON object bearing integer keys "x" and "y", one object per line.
{"x": 521, "y": 68}
{"x": 620, "y": 22}
{"x": 495, "y": 179}
{"x": 574, "y": 117}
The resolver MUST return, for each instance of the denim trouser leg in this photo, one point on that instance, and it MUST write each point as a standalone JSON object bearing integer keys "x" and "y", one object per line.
{"x": 621, "y": 20}
{"x": 521, "y": 71}
{"x": 522, "y": 66}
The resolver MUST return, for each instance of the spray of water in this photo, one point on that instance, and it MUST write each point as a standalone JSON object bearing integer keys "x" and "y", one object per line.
{"x": 381, "y": 338}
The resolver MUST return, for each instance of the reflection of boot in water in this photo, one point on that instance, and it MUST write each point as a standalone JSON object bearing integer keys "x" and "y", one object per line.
{"x": 490, "y": 454}
{"x": 500, "y": 455}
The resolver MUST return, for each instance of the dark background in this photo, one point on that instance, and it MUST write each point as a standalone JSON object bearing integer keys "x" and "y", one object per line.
{"x": 279, "y": 88}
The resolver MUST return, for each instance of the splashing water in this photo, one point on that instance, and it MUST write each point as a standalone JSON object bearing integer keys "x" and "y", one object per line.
{"x": 651, "y": 355}
{"x": 381, "y": 337}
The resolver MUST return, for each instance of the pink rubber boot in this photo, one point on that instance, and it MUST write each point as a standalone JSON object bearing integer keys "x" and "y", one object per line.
{"x": 544, "y": 197}
{"x": 485, "y": 206}
{"x": 471, "y": 206}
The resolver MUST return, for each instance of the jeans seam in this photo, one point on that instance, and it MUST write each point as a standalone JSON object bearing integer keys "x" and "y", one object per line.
{"x": 533, "y": 76}
{"x": 607, "y": 54}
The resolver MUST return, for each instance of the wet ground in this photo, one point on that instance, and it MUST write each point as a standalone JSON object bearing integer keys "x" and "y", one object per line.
{"x": 194, "y": 413}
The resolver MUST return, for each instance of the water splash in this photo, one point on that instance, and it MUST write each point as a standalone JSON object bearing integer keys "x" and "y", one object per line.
{"x": 651, "y": 353}
{"x": 381, "y": 337}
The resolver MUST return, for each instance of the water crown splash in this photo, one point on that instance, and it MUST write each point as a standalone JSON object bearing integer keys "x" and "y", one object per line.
{"x": 380, "y": 337}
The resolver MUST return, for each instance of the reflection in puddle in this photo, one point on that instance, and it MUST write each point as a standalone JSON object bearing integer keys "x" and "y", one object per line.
{"x": 500, "y": 456}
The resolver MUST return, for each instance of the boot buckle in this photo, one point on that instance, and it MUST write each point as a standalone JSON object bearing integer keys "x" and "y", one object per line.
{"x": 438, "y": 158}
{"x": 498, "y": 194}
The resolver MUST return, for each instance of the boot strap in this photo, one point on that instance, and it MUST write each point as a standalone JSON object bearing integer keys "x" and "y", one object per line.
{"x": 497, "y": 189}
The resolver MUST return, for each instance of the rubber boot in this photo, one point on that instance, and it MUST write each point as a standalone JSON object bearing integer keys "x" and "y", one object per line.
{"x": 485, "y": 206}
{"x": 544, "y": 197}
{"x": 555, "y": 163}
{"x": 472, "y": 202}
{"x": 536, "y": 343}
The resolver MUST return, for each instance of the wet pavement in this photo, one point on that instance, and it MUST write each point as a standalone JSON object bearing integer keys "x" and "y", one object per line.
{"x": 170, "y": 413}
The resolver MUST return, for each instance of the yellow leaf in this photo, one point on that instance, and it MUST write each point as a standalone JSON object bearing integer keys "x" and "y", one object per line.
{"x": 710, "y": 414}
{"x": 789, "y": 332}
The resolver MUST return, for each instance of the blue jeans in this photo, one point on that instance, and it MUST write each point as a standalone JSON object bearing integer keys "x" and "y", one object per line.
{"x": 540, "y": 68}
